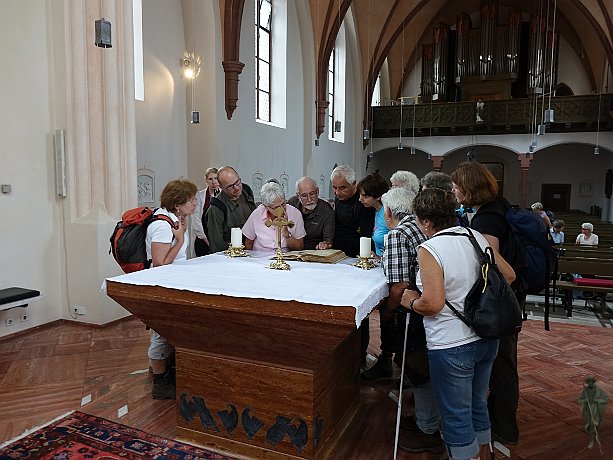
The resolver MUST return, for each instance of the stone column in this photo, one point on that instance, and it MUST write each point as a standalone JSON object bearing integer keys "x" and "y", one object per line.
{"x": 101, "y": 149}
{"x": 525, "y": 159}
{"x": 437, "y": 163}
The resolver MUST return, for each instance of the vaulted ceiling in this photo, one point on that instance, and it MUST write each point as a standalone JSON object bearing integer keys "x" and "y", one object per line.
{"x": 396, "y": 29}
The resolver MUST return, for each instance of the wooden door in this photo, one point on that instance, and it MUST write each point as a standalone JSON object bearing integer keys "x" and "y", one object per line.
{"x": 555, "y": 197}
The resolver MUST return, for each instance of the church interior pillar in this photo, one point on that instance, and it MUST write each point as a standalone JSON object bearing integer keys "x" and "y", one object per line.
{"x": 525, "y": 159}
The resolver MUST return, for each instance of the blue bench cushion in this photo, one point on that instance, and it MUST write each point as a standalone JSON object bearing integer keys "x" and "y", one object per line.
{"x": 14, "y": 294}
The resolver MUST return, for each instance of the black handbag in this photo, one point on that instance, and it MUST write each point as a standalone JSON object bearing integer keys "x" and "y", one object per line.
{"x": 491, "y": 308}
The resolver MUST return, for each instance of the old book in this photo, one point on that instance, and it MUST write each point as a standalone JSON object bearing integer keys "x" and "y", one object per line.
{"x": 325, "y": 256}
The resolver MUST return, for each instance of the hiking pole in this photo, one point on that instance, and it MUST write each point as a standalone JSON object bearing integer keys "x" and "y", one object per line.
{"x": 399, "y": 411}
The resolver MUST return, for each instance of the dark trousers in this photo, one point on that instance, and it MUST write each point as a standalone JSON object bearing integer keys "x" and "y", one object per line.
{"x": 504, "y": 391}
{"x": 392, "y": 336}
{"x": 364, "y": 338}
{"x": 201, "y": 248}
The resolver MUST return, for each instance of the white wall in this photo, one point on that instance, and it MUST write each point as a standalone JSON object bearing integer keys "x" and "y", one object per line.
{"x": 162, "y": 118}
{"x": 31, "y": 255}
{"x": 571, "y": 70}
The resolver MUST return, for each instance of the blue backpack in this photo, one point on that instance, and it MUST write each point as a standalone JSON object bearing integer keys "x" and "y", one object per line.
{"x": 536, "y": 246}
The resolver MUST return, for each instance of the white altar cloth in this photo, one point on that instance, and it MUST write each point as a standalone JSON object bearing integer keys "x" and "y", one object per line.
{"x": 324, "y": 284}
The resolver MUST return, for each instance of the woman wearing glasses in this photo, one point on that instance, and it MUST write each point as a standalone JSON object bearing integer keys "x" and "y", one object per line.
{"x": 586, "y": 237}
{"x": 259, "y": 236}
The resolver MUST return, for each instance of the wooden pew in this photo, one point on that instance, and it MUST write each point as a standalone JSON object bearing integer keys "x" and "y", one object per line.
{"x": 600, "y": 269}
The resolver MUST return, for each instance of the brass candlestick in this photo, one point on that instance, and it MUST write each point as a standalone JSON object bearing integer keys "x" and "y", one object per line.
{"x": 364, "y": 263}
{"x": 236, "y": 251}
{"x": 279, "y": 263}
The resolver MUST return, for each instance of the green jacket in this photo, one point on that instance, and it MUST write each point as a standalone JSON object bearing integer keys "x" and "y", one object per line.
{"x": 222, "y": 216}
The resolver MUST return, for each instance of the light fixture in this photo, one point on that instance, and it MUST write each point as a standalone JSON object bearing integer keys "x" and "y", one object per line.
{"x": 540, "y": 130}
{"x": 412, "y": 150}
{"x": 190, "y": 65}
{"x": 337, "y": 126}
{"x": 596, "y": 150}
{"x": 366, "y": 134}
{"x": 103, "y": 33}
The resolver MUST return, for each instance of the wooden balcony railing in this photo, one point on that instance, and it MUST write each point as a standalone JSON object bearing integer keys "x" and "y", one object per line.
{"x": 516, "y": 116}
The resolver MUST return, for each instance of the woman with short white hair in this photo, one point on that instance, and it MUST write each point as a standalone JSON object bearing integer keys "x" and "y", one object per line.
{"x": 586, "y": 237}
{"x": 405, "y": 179}
{"x": 259, "y": 237}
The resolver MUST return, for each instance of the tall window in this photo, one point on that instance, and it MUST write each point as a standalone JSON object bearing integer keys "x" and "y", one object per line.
{"x": 331, "y": 88}
{"x": 263, "y": 54}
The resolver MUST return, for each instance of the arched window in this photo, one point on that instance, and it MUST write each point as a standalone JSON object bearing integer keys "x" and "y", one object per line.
{"x": 263, "y": 55}
{"x": 336, "y": 88}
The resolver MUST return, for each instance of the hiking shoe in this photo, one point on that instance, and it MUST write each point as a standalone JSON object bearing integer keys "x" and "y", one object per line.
{"x": 163, "y": 387}
{"x": 382, "y": 369}
{"x": 421, "y": 442}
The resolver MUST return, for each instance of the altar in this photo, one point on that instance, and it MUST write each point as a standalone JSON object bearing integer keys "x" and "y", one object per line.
{"x": 267, "y": 360}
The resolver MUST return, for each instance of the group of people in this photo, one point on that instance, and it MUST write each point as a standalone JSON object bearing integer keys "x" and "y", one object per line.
{"x": 587, "y": 237}
{"x": 465, "y": 388}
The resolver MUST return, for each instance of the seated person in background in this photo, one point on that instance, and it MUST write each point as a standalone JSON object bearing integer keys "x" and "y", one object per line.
{"x": 405, "y": 179}
{"x": 538, "y": 208}
{"x": 371, "y": 188}
{"x": 557, "y": 235}
{"x": 318, "y": 215}
{"x": 586, "y": 237}
{"x": 259, "y": 237}
{"x": 166, "y": 245}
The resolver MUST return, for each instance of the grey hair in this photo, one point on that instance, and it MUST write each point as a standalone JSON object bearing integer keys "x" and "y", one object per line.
{"x": 405, "y": 179}
{"x": 399, "y": 201}
{"x": 305, "y": 179}
{"x": 435, "y": 179}
{"x": 344, "y": 171}
{"x": 587, "y": 225}
{"x": 270, "y": 192}
{"x": 538, "y": 206}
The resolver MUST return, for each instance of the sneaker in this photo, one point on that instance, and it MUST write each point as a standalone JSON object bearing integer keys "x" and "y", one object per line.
{"x": 382, "y": 369}
{"x": 421, "y": 442}
{"x": 164, "y": 387}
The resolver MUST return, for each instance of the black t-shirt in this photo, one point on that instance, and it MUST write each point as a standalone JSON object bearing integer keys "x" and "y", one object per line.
{"x": 352, "y": 221}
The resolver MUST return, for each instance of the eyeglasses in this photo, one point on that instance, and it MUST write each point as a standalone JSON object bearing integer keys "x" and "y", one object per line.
{"x": 236, "y": 184}
{"x": 311, "y": 195}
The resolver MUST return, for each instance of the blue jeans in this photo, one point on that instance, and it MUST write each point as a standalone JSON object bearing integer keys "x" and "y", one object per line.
{"x": 427, "y": 417}
{"x": 460, "y": 376}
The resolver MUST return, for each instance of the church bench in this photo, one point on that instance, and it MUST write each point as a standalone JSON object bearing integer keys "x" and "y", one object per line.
{"x": 13, "y": 297}
{"x": 599, "y": 282}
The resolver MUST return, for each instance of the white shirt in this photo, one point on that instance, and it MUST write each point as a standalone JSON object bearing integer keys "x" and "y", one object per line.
{"x": 159, "y": 231}
{"x": 458, "y": 259}
{"x": 591, "y": 241}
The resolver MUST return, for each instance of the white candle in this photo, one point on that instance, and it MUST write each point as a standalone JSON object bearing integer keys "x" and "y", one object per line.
{"x": 236, "y": 238}
{"x": 364, "y": 246}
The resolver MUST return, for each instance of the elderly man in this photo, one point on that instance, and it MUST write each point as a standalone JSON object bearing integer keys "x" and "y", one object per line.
{"x": 436, "y": 179}
{"x": 400, "y": 266}
{"x": 352, "y": 219}
{"x": 230, "y": 208}
{"x": 318, "y": 215}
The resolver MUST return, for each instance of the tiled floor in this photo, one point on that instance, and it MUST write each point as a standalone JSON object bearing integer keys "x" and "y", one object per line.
{"x": 47, "y": 372}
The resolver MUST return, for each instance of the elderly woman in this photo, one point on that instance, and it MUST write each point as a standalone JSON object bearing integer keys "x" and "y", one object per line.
{"x": 460, "y": 361}
{"x": 259, "y": 237}
{"x": 586, "y": 237}
{"x": 166, "y": 244}
{"x": 538, "y": 208}
{"x": 405, "y": 179}
{"x": 203, "y": 197}
{"x": 371, "y": 188}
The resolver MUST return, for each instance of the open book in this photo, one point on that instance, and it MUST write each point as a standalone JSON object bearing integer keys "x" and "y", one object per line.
{"x": 325, "y": 256}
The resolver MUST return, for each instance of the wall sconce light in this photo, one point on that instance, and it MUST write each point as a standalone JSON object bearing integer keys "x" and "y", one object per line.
{"x": 103, "y": 33}
{"x": 190, "y": 65}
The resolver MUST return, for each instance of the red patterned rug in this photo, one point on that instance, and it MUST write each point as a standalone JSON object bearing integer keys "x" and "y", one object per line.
{"x": 80, "y": 436}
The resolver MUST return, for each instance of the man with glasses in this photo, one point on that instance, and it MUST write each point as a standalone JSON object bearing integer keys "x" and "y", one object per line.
{"x": 318, "y": 215}
{"x": 229, "y": 209}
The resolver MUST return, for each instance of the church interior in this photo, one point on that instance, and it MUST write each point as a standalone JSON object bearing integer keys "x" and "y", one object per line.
{"x": 133, "y": 94}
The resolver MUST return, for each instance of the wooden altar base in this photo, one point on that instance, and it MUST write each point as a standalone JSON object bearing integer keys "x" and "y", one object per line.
{"x": 255, "y": 378}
